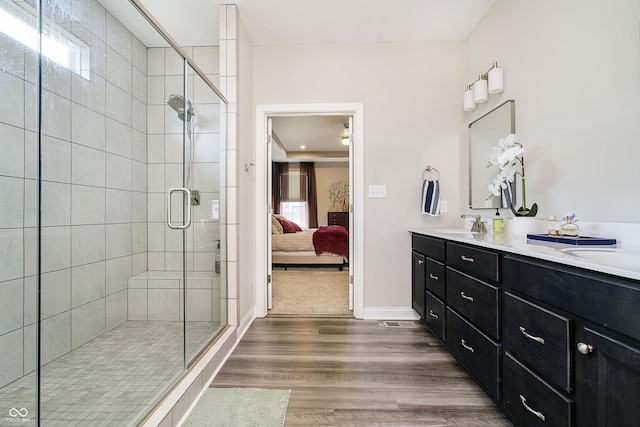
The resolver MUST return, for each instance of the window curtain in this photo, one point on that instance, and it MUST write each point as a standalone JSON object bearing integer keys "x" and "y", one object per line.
{"x": 308, "y": 192}
{"x": 279, "y": 185}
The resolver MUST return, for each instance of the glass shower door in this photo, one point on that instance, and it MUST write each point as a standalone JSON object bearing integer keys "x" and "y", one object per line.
{"x": 18, "y": 221}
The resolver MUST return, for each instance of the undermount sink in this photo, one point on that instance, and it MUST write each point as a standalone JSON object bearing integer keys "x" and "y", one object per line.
{"x": 458, "y": 231}
{"x": 609, "y": 256}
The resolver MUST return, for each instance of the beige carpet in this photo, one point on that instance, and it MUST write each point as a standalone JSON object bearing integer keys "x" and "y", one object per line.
{"x": 311, "y": 291}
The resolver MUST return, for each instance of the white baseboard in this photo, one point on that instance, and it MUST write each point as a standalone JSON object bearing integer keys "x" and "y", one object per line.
{"x": 246, "y": 322}
{"x": 390, "y": 313}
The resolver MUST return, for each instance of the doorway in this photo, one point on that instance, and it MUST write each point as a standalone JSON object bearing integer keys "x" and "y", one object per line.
{"x": 264, "y": 116}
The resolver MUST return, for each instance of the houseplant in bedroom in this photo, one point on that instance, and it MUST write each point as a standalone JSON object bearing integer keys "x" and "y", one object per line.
{"x": 508, "y": 156}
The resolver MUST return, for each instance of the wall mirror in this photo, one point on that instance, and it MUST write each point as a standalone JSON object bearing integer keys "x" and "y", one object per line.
{"x": 484, "y": 134}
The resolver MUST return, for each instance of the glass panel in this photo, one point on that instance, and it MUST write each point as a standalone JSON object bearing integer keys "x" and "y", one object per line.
{"x": 18, "y": 220}
{"x": 112, "y": 338}
{"x": 205, "y": 299}
{"x": 95, "y": 150}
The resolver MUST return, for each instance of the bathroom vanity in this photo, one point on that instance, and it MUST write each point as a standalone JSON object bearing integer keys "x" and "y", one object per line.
{"x": 550, "y": 332}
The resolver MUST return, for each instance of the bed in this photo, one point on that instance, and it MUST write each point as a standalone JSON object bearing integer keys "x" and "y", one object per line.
{"x": 324, "y": 246}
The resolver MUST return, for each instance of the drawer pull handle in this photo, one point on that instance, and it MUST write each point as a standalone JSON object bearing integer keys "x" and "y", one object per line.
{"x": 467, "y": 297}
{"x": 464, "y": 344}
{"x": 420, "y": 261}
{"x": 434, "y": 315}
{"x": 531, "y": 337}
{"x": 536, "y": 413}
{"x": 584, "y": 348}
{"x": 468, "y": 259}
{"x": 433, "y": 276}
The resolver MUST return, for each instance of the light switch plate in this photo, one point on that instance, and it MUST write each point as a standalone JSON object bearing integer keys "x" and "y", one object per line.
{"x": 377, "y": 191}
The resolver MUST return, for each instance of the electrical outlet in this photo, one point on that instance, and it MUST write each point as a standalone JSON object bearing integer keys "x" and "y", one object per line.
{"x": 377, "y": 191}
{"x": 444, "y": 206}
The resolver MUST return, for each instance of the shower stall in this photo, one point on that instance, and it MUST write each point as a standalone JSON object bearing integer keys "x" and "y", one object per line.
{"x": 112, "y": 244}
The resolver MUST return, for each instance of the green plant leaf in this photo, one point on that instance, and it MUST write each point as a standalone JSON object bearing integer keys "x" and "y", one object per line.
{"x": 521, "y": 211}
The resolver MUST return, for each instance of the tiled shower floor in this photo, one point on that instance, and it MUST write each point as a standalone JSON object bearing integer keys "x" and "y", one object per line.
{"x": 113, "y": 380}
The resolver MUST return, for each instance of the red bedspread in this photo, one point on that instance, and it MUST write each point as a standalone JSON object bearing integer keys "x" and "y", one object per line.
{"x": 331, "y": 238}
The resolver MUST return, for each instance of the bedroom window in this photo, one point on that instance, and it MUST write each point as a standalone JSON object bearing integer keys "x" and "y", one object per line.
{"x": 294, "y": 193}
{"x": 296, "y": 212}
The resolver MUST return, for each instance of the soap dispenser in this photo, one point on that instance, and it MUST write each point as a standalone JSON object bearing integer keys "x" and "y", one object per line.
{"x": 498, "y": 222}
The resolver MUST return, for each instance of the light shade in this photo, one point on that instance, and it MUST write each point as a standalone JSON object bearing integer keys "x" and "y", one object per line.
{"x": 480, "y": 93}
{"x": 469, "y": 103}
{"x": 496, "y": 78}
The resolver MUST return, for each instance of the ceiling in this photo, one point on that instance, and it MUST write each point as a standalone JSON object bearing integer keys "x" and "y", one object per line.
{"x": 278, "y": 22}
{"x": 319, "y": 135}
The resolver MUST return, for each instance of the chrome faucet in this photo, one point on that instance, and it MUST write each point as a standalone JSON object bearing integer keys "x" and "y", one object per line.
{"x": 478, "y": 225}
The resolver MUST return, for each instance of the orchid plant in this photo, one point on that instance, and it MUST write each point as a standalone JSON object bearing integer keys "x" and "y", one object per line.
{"x": 508, "y": 156}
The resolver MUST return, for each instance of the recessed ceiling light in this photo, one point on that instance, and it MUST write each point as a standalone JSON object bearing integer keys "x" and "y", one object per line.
{"x": 302, "y": 147}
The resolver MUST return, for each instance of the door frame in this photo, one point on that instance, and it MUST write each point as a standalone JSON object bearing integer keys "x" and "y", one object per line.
{"x": 263, "y": 221}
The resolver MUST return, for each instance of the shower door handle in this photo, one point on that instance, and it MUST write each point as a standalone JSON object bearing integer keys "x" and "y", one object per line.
{"x": 188, "y": 221}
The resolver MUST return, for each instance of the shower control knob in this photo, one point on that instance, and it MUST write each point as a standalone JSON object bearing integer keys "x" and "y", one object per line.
{"x": 584, "y": 348}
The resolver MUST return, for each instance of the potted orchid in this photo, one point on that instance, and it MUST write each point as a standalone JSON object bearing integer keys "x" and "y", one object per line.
{"x": 508, "y": 156}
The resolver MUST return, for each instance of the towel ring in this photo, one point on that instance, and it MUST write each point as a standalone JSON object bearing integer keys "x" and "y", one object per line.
{"x": 428, "y": 171}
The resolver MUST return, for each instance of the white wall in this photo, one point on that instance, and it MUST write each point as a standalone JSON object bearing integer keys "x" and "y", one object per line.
{"x": 412, "y": 118}
{"x": 573, "y": 68}
{"x": 246, "y": 179}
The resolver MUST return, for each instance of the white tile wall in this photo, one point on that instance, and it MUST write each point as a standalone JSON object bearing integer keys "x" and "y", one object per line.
{"x": 87, "y": 205}
{"x": 12, "y": 148}
{"x": 55, "y": 292}
{"x": 118, "y": 271}
{"x": 87, "y": 322}
{"x": 55, "y": 336}
{"x": 99, "y": 135}
{"x": 88, "y": 283}
{"x": 11, "y": 306}
{"x": 11, "y": 354}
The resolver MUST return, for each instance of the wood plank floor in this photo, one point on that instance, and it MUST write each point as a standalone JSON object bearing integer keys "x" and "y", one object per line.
{"x": 347, "y": 372}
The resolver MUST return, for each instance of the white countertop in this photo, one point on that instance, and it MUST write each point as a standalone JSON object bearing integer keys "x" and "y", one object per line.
{"x": 603, "y": 259}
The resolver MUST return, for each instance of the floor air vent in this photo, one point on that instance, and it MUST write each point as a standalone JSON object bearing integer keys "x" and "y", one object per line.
{"x": 397, "y": 324}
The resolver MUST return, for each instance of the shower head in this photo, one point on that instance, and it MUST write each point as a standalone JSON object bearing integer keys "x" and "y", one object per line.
{"x": 176, "y": 102}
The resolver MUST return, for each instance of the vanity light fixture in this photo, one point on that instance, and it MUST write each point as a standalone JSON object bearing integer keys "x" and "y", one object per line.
{"x": 469, "y": 103}
{"x": 480, "y": 93}
{"x": 490, "y": 82}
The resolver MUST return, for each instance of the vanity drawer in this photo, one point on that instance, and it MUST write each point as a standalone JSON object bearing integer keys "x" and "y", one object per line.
{"x": 434, "y": 315}
{"x": 529, "y": 401}
{"x": 428, "y": 246}
{"x": 476, "y": 300}
{"x": 435, "y": 277}
{"x": 608, "y": 301}
{"x": 539, "y": 338}
{"x": 475, "y": 351}
{"x": 479, "y": 262}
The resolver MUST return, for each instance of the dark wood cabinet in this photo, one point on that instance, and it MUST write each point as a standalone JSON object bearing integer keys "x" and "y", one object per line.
{"x": 607, "y": 380}
{"x": 590, "y": 328}
{"x": 338, "y": 218}
{"x": 417, "y": 289}
{"x": 427, "y": 276}
{"x": 551, "y": 344}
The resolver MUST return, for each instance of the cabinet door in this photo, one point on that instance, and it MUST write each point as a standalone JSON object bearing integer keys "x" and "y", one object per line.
{"x": 434, "y": 277}
{"x": 434, "y": 315}
{"x": 607, "y": 381}
{"x": 417, "y": 287}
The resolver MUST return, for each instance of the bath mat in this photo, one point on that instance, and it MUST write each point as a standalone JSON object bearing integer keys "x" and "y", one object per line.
{"x": 233, "y": 407}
